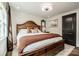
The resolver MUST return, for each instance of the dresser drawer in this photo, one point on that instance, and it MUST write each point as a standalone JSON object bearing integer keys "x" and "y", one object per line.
{"x": 37, "y": 52}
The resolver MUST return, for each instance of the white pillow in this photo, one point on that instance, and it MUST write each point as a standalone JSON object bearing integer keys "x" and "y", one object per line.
{"x": 39, "y": 31}
{"x": 35, "y": 31}
{"x": 23, "y": 31}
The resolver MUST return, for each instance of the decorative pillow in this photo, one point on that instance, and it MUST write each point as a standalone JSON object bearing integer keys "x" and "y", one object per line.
{"x": 28, "y": 30}
{"x": 35, "y": 30}
{"x": 39, "y": 31}
{"x": 23, "y": 31}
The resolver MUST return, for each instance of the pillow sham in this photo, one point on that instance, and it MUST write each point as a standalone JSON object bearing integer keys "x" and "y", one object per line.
{"x": 39, "y": 31}
{"x": 28, "y": 30}
{"x": 24, "y": 31}
{"x": 35, "y": 30}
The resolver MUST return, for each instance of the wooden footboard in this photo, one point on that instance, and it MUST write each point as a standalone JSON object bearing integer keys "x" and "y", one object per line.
{"x": 49, "y": 50}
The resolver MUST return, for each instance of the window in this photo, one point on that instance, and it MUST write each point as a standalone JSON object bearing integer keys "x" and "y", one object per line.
{"x": 3, "y": 22}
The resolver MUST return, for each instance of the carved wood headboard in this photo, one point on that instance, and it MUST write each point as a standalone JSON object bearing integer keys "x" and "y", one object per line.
{"x": 29, "y": 24}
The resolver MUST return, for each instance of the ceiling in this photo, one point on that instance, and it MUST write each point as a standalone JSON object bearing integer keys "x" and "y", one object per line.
{"x": 34, "y": 8}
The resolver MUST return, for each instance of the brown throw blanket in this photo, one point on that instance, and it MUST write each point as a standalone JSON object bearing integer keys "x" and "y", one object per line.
{"x": 26, "y": 40}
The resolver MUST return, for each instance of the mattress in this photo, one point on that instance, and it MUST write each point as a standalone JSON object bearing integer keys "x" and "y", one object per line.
{"x": 35, "y": 46}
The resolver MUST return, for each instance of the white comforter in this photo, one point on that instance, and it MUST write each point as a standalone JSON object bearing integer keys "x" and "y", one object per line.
{"x": 37, "y": 45}
{"x": 21, "y": 34}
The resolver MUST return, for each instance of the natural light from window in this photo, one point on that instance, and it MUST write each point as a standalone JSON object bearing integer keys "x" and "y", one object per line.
{"x": 3, "y": 23}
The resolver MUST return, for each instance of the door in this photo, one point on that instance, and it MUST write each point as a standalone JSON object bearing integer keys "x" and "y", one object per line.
{"x": 69, "y": 28}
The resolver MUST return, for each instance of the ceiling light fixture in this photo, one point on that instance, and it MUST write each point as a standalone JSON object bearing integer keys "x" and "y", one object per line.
{"x": 46, "y": 7}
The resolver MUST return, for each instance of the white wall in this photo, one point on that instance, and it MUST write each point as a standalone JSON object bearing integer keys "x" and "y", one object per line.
{"x": 58, "y": 29}
{"x": 21, "y": 17}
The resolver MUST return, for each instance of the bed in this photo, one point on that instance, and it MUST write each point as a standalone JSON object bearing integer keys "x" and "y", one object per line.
{"x": 37, "y": 43}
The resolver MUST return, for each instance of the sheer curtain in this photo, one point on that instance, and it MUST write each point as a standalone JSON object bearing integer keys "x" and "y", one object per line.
{"x": 3, "y": 29}
{"x": 3, "y": 23}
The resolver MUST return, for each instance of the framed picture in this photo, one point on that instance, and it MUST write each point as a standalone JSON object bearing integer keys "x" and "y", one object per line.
{"x": 53, "y": 23}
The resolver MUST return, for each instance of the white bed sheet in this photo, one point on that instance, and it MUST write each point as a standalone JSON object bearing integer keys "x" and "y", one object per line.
{"x": 40, "y": 44}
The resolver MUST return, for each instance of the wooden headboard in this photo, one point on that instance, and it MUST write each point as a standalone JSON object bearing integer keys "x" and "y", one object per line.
{"x": 29, "y": 24}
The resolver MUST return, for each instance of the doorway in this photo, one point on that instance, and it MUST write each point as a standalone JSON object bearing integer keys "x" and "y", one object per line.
{"x": 69, "y": 28}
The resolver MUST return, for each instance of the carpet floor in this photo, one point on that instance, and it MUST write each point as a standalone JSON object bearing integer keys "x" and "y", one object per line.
{"x": 9, "y": 53}
{"x": 75, "y": 52}
{"x": 67, "y": 50}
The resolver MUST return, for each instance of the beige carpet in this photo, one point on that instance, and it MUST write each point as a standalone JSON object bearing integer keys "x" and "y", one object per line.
{"x": 67, "y": 50}
{"x": 75, "y": 52}
{"x": 15, "y": 51}
{"x": 9, "y": 53}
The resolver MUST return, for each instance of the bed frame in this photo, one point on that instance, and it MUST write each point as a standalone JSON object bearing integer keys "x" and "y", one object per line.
{"x": 49, "y": 50}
